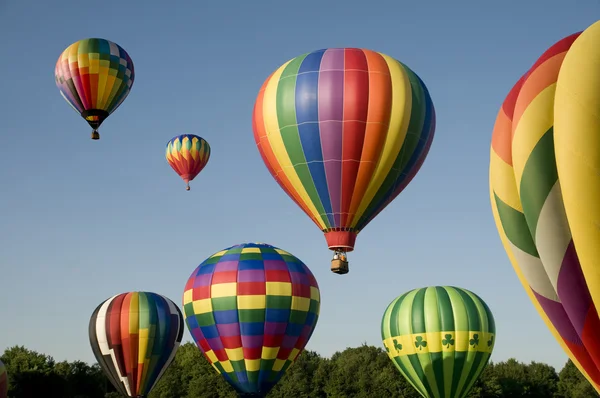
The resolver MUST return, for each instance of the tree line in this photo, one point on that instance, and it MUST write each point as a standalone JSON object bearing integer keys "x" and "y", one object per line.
{"x": 362, "y": 372}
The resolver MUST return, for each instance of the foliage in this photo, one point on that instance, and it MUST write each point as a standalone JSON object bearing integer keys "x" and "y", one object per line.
{"x": 362, "y": 372}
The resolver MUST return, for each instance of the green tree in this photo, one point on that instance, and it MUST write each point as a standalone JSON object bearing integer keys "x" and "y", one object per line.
{"x": 572, "y": 384}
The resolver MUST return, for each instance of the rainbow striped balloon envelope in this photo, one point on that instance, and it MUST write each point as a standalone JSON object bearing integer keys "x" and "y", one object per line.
{"x": 3, "y": 381}
{"x": 343, "y": 131}
{"x": 251, "y": 309}
{"x": 187, "y": 154}
{"x": 545, "y": 191}
{"x": 94, "y": 76}
{"x": 440, "y": 338}
{"x": 134, "y": 337}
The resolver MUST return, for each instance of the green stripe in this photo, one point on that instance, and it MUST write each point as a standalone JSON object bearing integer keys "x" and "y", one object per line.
{"x": 413, "y": 134}
{"x": 288, "y": 129}
{"x": 515, "y": 227}
{"x": 539, "y": 177}
{"x": 440, "y": 309}
{"x": 418, "y": 313}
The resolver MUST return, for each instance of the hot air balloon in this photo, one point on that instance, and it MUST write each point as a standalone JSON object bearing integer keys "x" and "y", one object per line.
{"x": 188, "y": 154}
{"x": 94, "y": 76}
{"x": 343, "y": 131}
{"x": 545, "y": 148}
{"x": 251, "y": 309}
{"x": 440, "y": 338}
{"x": 134, "y": 337}
{"x": 3, "y": 381}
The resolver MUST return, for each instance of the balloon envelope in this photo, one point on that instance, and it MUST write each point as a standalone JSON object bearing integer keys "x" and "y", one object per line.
{"x": 544, "y": 146}
{"x": 343, "y": 131}
{"x": 187, "y": 154}
{"x": 134, "y": 337}
{"x": 440, "y": 338}
{"x": 94, "y": 76}
{"x": 251, "y": 309}
{"x": 3, "y": 381}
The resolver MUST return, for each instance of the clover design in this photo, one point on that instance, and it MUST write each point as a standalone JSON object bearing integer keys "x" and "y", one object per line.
{"x": 490, "y": 341}
{"x": 420, "y": 343}
{"x": 475, "y": 340}
{"x": 397, "y": 345}
{"x": 448, "y": 340}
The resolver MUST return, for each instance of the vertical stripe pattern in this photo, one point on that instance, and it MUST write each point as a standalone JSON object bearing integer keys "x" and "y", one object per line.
{"x": 94, "y": 74}
{"x": 3, "y": 381}
{"x": 251, "y": 309}
{"x": 440, "y": 338}
{"x": 528, "y": 206}
{"x": 343, "y": 131}
{"x": 187, "y": 154}
{"x": 134, "y": 337}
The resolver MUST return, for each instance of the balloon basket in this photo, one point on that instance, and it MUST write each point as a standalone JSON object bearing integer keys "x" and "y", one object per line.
{"x": 95, "y": 135}
{"x": 339, "y": 266}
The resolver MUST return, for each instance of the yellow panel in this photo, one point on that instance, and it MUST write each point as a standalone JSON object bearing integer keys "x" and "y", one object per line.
{"x": 278, "y": 288}
{"x": 223, "y": 290}
{"x": 254, "y": 302}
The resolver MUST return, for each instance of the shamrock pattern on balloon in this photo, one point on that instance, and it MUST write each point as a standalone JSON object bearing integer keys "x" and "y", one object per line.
{"x": 447, "y": 341}
{"x": 474, "y": 342}
{"x": 420, "y": 343}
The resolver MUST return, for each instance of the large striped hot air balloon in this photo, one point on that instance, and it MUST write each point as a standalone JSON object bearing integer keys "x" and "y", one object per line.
{"x": 187, "y": 154}
{"x": 440, "y": 338}
{"x": 545, "y": 191}
{"x": 343, "y": 131}
{"x": 134, "y": 337}
{"x": 251, "y": 309}
{"x": 3, "y": 381}
{"x": 94, "y": 76}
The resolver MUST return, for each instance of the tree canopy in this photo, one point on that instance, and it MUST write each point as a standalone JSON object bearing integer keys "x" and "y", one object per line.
{"x": 362, "y": 372}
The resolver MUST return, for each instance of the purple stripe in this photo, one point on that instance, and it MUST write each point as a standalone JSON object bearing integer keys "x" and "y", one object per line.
{"x": 215, "y": 343}
{"x": 558, "y": 317}
{"x": 251, "y": 275}
{"x": 331, "y": 116}
{"x": 572, "y": 289}
{"x": 252, "y": 341}
{"x": 289, "y": 341}
{"x": 202, "y": 280}
{"x": 275, "y": 328}
{"x": 229, "y": 329}
{"x": 226, "y": 266}
{"x": 272, "y": 265}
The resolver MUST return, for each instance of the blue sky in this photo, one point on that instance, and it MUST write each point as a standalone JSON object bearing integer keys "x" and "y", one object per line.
{"x": 81, "y": 220}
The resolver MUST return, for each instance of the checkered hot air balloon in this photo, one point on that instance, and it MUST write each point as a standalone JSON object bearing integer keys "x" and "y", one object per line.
{"x": 134, "y": 337}
{"x": 187, "y": 154}
{"x": 343, "y": 131}
{"x": 94, "y": 76}
{"x": 3, "y": 381}
{"x": 251, "y": 309}
{"x": 440, "y": 338}
{"x": 545, "y": 191}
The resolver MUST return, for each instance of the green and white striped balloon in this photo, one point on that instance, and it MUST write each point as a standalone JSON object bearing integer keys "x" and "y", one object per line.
{"x": 440, "y": 338}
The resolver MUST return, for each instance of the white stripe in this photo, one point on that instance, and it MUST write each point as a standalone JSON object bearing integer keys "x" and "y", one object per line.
{"x": 553, "y": 234}
{"x": 103, "y": 340}
{"x": 534, "y": 273}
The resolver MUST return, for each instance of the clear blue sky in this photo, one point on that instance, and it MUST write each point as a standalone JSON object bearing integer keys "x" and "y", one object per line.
{"x": 81, "y": 220}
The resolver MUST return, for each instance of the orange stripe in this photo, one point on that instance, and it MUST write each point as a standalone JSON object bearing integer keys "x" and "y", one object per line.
{"x": 266, "y": 152}
{"x": 378, "y": 118}
{"x": 502, "y": 134}
{"x": 541, "y": 78}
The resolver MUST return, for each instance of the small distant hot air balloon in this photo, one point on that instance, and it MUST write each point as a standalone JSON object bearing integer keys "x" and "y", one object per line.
{"x": 134, "y": 337}
{"x": 440, "y": 338}
{"x": 343, "y": 131}
{"x": 3, "y": 381}
{"x": 187, "y": 154}
{"x": 251, "y": 309}
{"x": 545, "y": 190}
{"x": 94, "y": 76}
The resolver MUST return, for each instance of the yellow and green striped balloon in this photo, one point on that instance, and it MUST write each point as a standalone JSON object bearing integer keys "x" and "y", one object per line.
{"x": 440, "y": 338}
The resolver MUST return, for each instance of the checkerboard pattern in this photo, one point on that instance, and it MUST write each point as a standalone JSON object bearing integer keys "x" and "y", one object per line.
{"x": 251, "y": 309}
{"x": 94, "y": 74}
